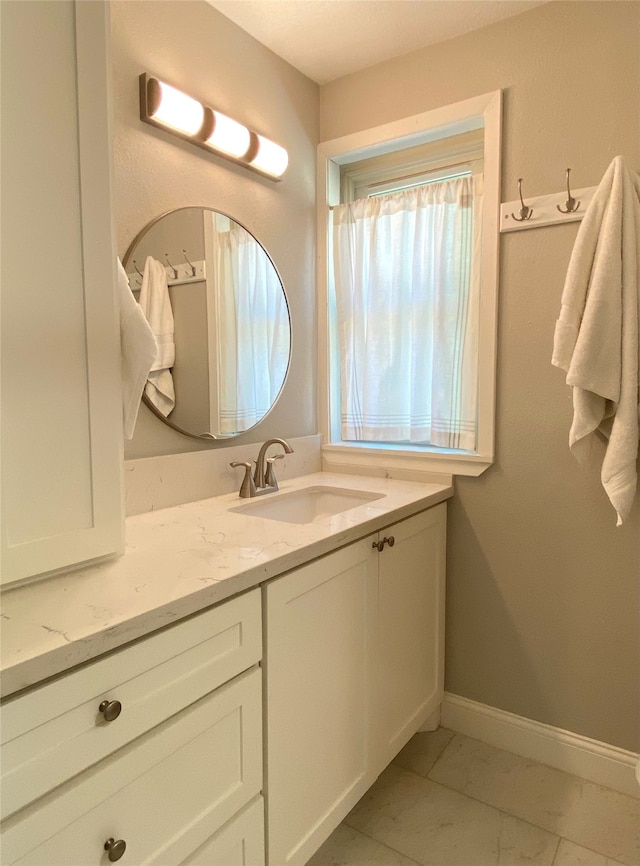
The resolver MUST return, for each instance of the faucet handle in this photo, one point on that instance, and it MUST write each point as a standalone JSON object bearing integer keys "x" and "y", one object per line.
{"x": 270, "y": 476}
{"x": 247, "y": 488}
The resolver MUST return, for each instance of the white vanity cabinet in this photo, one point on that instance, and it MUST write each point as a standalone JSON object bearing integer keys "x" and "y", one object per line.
{"x": 354, "y": 666}
{"x": 61, "y": 421}
{"x": 157, "y": 747}
{"x": 155, "y": 750}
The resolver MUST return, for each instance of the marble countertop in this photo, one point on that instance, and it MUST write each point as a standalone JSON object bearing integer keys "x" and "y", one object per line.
{"x": 179, "y": 561}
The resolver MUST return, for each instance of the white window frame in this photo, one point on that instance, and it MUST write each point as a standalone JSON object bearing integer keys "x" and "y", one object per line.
{"x": 415, "y": 166}
{"x": 402, "y": 461}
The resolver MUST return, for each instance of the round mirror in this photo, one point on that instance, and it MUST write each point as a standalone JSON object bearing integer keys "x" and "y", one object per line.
{"x": 218, "y": 309}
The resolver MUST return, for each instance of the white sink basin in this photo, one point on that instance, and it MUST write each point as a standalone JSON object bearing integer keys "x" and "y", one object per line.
{"x": 305, "y": 506}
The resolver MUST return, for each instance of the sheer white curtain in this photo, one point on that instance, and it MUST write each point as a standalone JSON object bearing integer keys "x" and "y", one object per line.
{"x": 252, "y": 326}
{"x": 406, "y": 280}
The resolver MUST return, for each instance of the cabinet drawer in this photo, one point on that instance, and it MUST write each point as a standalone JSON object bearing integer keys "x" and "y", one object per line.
{"x": 238, "y": 843}
{"x": 56, "y": 731}
{"x": 165, "y": 795}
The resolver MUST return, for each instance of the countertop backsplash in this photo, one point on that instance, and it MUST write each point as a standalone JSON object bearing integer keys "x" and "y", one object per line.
{"x": 152, "y": 483}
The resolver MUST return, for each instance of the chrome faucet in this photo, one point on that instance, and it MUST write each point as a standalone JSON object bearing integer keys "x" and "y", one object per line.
{"x": 264, "y": 478}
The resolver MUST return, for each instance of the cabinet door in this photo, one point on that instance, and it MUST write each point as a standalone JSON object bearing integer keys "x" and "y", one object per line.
{"x": 62, "y": 412}
{"x": 410, "y": 631}
{"x": 319, "y": 633}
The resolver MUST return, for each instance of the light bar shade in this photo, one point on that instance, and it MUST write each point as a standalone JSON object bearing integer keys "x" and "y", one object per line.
{"x": 175, "y": 109}
{"x": 271, "y": 158}
{"x": 229, "y": 136}
{"x": 171, "y": 110}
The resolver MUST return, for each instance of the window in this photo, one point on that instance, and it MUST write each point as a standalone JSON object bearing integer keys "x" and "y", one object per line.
{"x": 405, "y": 295}
{"x": 411, "y": 271}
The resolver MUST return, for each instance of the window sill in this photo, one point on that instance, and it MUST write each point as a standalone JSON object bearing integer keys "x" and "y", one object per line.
{"x": 393, "y": 461}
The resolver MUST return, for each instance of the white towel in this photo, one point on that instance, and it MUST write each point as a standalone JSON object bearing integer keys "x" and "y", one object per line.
{"x": 138, "y": 350}
{"x": 155, "y": 304}
{"x": 596, "y": 335}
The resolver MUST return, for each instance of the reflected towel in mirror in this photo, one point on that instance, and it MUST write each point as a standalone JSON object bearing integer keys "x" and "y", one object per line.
{"x": 156, "y": 306}
{"x": 138, "y": 351}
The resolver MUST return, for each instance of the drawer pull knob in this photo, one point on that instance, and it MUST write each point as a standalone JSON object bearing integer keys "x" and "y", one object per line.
{"x": 110, "y": 710}
{"x": 115, "y": 848}
{"x": 390, "y": 541}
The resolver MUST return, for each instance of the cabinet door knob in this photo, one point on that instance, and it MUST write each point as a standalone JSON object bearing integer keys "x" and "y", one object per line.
{"x": 379, "y": 545}
{"x": 115, "y": 848}
{"x": 110, "y": 710}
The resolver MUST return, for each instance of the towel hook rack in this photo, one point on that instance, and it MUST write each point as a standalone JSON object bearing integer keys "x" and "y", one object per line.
{"x": 525, "y": 212}
{"x": 193, "y": 267}
{"x": 175, "y": 272}
{"x": 571, "y": 204}
{"x": 137, "y": 269}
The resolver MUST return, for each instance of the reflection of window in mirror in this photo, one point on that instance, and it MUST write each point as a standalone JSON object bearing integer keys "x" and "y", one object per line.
{"x": 249, "y": 343}
{"x": 411, "y": 273}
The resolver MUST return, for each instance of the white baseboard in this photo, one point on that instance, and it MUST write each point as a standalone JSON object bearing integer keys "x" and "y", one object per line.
{"x": 590, "y": 759}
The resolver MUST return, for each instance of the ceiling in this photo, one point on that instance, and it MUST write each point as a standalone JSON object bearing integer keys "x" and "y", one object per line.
{"x": 326, "y": 39}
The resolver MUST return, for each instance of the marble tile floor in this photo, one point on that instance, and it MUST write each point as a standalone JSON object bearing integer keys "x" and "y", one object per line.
{"x": 448, "y": 800}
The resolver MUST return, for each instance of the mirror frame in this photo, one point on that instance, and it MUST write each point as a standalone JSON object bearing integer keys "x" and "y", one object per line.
{"x": 210, "y": 437}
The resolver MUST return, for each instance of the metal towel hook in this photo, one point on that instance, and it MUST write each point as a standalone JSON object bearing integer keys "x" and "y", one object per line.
{"x": 175, "y": 272}
{"x": 193, "y": 267}
{"x": 571, "y": 204}
{"x": 138, "y": 271}
{"x": 525, "y": 212}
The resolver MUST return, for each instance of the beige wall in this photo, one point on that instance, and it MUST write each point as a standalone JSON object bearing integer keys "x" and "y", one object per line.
{"x": 542, "y": 588}
{"x": 198, "y": 50}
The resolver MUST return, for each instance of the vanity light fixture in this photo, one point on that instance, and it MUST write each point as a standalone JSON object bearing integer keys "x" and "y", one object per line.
{"x": 167, "y": 108}
{"x": 228, "y": 136}
{"x": 174, "y": 109}
{"x": 270, "y": 158}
